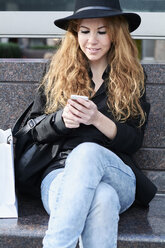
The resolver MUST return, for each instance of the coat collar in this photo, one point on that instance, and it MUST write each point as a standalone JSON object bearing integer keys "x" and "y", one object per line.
{"x": 105, "y": 77}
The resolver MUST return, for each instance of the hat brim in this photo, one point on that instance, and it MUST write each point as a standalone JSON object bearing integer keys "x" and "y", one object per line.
{"x": 133, "y": 19}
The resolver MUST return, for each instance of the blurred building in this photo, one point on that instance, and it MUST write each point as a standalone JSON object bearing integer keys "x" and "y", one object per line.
{"x": 31, "y": 24}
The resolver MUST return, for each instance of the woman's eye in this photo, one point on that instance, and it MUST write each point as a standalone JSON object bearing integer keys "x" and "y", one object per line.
{"x": 87, "y": 31}
{"x": 102, "y": 32}
{"x": 84, "y": 32}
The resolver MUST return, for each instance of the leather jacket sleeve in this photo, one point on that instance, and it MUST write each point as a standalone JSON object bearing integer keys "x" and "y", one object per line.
{"x": 52, "y": 127}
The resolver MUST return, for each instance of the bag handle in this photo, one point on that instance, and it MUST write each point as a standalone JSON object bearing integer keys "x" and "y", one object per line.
{"x": 30, "y": 124}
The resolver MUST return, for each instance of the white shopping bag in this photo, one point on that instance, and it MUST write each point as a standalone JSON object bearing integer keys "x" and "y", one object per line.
{"x": 8, "y": 200}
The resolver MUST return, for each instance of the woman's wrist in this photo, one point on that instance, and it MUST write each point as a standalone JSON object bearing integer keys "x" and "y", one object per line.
{"x": 97, "y": 120}
{"x": 105, "y": 125}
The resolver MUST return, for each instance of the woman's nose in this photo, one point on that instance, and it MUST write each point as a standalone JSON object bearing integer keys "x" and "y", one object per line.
{"x": 92, "y": 38}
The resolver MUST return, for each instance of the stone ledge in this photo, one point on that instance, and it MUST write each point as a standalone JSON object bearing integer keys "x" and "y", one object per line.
{"x": 138, "y": 227}
{"x": 150, "y": 158}
{"x": 155, "y": 72}
{"x": 141, "y": 228}
{"x": 21, "y": 70}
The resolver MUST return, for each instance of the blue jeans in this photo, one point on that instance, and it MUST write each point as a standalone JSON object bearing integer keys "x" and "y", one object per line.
{"x": 86, "y": 197}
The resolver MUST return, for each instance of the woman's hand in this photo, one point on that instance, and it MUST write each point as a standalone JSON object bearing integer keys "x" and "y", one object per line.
{"x": 80, "y": 111}
{"x": 86, "y": 112}
{"x": 68, "y": 118}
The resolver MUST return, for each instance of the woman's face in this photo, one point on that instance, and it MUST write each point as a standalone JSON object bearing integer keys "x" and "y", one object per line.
{"x": 94, "y": 39}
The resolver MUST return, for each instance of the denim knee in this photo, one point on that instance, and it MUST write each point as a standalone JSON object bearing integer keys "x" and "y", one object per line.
{"x": 84, "y": 165}
{"x": 85, "y": 153}
{"x": 86, "y": 149}
{"x": 106, "y": 199}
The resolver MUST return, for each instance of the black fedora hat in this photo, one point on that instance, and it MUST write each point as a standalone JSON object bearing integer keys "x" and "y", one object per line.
{"x": 98, "y": 9}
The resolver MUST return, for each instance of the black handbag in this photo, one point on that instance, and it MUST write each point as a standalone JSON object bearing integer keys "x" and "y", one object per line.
{"x": 30, "y": 158}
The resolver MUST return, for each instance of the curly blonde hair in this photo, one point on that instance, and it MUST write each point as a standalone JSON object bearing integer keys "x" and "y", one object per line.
{"x": 68, "y": 73}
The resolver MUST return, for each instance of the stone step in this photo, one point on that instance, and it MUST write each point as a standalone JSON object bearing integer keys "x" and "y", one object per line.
{"x": 143, "y": 228}
{"x": 138, "y": 227}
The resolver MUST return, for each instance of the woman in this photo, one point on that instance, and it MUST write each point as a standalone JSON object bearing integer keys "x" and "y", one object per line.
{"x": 91, "y": 177}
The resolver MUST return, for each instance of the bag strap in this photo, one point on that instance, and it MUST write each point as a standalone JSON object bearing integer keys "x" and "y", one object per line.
{"x": 30, "y": 124}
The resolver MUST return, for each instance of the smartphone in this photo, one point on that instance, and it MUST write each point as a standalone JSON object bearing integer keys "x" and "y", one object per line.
{"x": 74, "y": 97}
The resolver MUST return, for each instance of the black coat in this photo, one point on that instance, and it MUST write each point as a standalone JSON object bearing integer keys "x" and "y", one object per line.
{"x": 128, "y": 140}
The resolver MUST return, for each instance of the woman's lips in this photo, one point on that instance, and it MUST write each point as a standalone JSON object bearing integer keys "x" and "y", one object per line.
{"x": 93, "y": 50}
